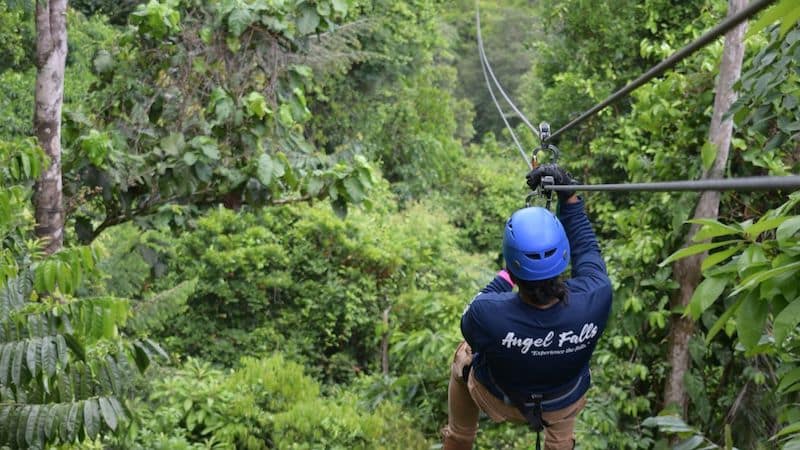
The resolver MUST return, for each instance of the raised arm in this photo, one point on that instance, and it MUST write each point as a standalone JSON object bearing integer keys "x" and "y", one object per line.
{"x": 586, "y": 258}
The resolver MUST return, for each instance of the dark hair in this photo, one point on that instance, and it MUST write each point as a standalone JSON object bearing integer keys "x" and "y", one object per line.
{"x": 542, "y": 292}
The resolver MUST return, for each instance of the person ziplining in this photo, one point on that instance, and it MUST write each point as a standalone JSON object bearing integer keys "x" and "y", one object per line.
{"x": 526, "y": 352}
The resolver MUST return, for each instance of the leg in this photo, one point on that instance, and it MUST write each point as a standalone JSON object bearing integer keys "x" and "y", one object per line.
{"x": 462, "y": 417}
{"x": 560, "y": 435}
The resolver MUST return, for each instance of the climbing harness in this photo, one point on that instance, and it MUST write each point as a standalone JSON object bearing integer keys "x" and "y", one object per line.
{"x": 530, "y": 404}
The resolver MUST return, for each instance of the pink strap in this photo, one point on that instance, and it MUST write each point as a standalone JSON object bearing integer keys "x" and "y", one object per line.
{"x": 504, "y": 275}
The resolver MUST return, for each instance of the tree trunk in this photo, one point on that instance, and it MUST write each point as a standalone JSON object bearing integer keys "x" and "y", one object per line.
{"x": 51, "y": 55}
{"x": 687, "y": 270}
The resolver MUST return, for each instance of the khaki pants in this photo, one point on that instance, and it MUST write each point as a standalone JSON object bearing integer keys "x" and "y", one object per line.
{"x": 466, "y": 400}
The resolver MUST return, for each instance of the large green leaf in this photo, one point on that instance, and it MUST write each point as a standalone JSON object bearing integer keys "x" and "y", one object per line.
{"x": 669, "y": 423}
{"x": 695, "y": 249}
{"x": 308, "y": 21}
{"x": 31, "y": 428}
{"x": 712, "y": 228}
{"x": 788, "y": 229}
{"x": 265, "y": 169}
{"x": 48, "y": 356}
{"x": 789, "y": 379}
{"x": 723, "y": 319}
{"x": 750, "y": 319}
{"x": 5, "y": 362}
{"x": 16, "y": 365}
{"x": 239, "y": 19}
{"x": 107, "y": 410}
{"x": 706, "y": 293}
{"x": 786, "y": 321}
{"x": 32, "y": 356}
{"x": 760, "y": 276}
{"x": 91, "y": 417}
{"x": 765, "y": 224}
{"x": 715, "y": 258}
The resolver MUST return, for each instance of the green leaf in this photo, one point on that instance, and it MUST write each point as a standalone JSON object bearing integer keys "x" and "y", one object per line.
{"x": 788, "y": 229}
{"x": 695, "y": 249}
{"x": 691, "y": 443}
{"x": 315, "y": 185}
{"x": 339, "y": 208}
{"x": 91, "y": 417}
{"x": 118, "y": 409}
{"x": 265, "y": 169}
{"x": 109, "y": 416}
{"x": 340, "y": 6}
{"x": 353, "y": 188}
{"x": 31, "y": 428}
{"x": 789, "y": 379}
{"x": 5, "y": 412}
{"x": 207, "y": 146}
{"x": 189, "y": 158}
{"x": 706, "y": 293}
{"x": 308, "y": 21}
{"x": 5, "y": 362}
{"x": 760, "y": 276}
{"x": 285, "y": 115}
{"x": 750, "y": 320}
{"x": 61, "y": 350}
{"x": 712, "y": 228}
{"x": 72, "y": 420}
{"x": 723, "y": 320}
{"x": 173, "y": 144}
{"x": 256, "y": 105}
{"x": 793, "y": 428}
{"x": 141, "y": 357}
{"x": 751, "y": 259}
{"x": 716, "y": 258}
{"x": 51, "y": 422}
{"x": 16, "y": 366}
{"x": 786, "y": 321}
{"x": 670, "y": 424}
{"x": 48, "y": 358}
{"x": 22, "y": 425}
{"x": 708, "y": 153}
{"x": 763, "y": 225}
{"x": 49, "y": 276}
{"x": 32, "y": 357}
{"x": 239, "y": 19}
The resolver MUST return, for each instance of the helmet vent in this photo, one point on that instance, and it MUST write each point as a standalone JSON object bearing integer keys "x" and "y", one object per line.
{"x": 539, "y": 256}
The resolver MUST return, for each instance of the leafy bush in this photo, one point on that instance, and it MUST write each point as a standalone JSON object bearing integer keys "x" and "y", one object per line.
{"x": 267, "y": 402}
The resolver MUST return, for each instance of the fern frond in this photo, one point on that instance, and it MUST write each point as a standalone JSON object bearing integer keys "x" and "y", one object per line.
{"x": 151, "y": 314}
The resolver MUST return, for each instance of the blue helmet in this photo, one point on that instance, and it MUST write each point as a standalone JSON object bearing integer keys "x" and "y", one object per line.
{"x": 535, "y": 245}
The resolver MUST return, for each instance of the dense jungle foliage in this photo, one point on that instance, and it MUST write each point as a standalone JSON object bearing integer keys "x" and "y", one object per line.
{"x": 276, "y": 211}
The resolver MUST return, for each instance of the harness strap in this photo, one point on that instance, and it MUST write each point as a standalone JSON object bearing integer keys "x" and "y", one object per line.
{"x": 529, "y": 406}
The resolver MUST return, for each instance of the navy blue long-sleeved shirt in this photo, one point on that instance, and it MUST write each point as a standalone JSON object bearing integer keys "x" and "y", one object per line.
{"x": 526, "y": 350}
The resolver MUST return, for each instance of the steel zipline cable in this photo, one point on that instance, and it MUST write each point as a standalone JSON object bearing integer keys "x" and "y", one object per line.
{"x": 486, "y": 68}
{"x": 765, "y": 183}
{"x": 485, "y": 62}
{"x": 719, "y": 30}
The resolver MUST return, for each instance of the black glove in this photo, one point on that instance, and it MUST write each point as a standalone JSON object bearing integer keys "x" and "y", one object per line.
{"x": 560, "y": 177}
